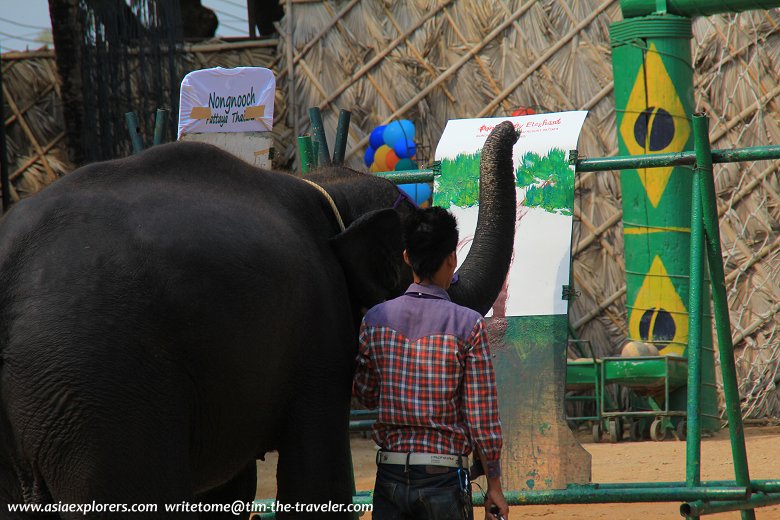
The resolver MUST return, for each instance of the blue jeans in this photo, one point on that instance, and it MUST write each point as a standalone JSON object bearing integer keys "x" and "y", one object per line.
{"x": 417, "y": 494}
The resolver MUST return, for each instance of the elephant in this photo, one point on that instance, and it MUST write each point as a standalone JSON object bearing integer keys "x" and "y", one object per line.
{"x": 170, "y": 317}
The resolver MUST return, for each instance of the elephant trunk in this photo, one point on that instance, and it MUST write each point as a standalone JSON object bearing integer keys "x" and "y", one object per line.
{"x": 482, "y": 274}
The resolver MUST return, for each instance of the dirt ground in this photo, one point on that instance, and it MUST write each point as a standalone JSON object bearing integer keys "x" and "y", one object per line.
{"x": 625, "y": 462}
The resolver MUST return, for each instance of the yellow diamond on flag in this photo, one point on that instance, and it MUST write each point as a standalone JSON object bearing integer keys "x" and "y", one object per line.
{"x": 654, "y": 121}
{"x": 659, "y": 315}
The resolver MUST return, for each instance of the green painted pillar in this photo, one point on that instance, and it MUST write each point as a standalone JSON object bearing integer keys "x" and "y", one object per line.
{"x": 651, "y": 59}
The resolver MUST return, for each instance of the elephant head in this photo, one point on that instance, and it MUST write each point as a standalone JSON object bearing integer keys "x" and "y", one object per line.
{"x": 370, "y": 248}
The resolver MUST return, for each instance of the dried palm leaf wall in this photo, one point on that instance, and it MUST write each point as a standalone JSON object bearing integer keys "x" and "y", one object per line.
{"x": 434, "y": 60}
{"x": 35, "y": 130}
{"x": 37, "y": 151}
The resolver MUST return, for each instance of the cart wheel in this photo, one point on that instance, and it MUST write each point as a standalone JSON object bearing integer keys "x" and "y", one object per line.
{"x": 682, "y": 430}
{"x": 615, "y": 430}
{"x": 635, "y": 431}
{"x": 597, "y": 431}
{"x": 657, "y": 430}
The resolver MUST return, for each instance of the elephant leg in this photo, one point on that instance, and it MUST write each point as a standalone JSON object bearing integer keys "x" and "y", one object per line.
{"x": 313, "y": 468}
{"x": 241, "y": 488}
{"x": 136, "y": 455}
{"x": 137, "y": 485}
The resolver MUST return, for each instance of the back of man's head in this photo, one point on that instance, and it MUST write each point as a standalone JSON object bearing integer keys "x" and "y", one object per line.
{"x": 431, "y": 234}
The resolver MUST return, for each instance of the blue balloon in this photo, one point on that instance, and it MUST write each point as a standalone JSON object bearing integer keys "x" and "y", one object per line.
{"x": 408, "y": 127}
{"x": 397, "y": 131}
{"x": 368, "y": 157}
{"x": 405, "y": 148}
{"x": 376, "y": 140}
{"x": 418, "y": 192}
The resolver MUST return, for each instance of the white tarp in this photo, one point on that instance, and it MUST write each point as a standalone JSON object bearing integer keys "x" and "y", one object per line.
{"x": 227, "y": 100}
{"x": 542, "y": 252}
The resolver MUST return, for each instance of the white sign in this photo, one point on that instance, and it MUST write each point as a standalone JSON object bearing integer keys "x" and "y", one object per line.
{"x": 545, "y": 195}
{"x": 227, "y": 100}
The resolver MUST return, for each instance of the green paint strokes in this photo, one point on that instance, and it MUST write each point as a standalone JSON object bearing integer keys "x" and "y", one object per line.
{"x": 548, "y": 180}
{"x": 458, "y": 185}
{"x": 544, "y": 428}
{"x": 530, "y": 483}
{"x": 529, "y": 333}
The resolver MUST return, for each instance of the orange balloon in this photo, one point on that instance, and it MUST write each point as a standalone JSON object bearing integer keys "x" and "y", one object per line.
{"x": 391, "y": 159}
{"x": 380, "y": 157}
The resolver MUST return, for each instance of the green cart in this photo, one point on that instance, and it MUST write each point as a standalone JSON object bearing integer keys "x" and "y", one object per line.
{"x": 584, "y": 375}
{"x": 653, "y": 378}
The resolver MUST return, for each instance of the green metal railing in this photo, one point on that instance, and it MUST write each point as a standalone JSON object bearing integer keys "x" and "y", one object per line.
{"x": 633, "y": 8}
{"x": 622, "y": 162}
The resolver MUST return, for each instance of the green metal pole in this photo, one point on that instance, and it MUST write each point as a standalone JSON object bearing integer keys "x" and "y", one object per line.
{"x": 317, "y": 128}
{"x": 687, "y": 158}
{"x": 135, "y": 132}
{"x": 315, "y": 149}
{"x": 722, "y": 324}
{"x": 692, "y": 7}
{"x": 588, "y": 494}
{"x": 159, "y": 125}
{"x": 305, "y": 152}
{"x": 342, "y": 132}
{"x": 763, "y": 486}
{"x": 361, "y": 425}
{"x": 693, "y": 437}
{"x": 703, "y": 507}
{"x": 409, "y": 176}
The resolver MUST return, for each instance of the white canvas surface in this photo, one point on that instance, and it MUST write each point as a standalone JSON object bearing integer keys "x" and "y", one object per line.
{"x": 541, "y": 262}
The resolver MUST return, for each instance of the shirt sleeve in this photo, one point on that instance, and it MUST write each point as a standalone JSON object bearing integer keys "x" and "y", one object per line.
{"x": 366, "y": 385}
{"x": 480, "y": 401}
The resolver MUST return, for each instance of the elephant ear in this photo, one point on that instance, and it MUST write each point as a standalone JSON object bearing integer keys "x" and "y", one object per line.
{"x": 370, "y": 251}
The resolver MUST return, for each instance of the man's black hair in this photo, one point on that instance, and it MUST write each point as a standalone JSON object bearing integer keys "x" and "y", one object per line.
{"x": 431, "y": 234}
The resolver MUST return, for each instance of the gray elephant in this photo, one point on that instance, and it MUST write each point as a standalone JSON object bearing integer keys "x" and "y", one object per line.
{"x": 167, "y": 318}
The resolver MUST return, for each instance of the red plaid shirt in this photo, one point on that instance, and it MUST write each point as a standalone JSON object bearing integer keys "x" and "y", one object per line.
{"x": 425, "y": 363}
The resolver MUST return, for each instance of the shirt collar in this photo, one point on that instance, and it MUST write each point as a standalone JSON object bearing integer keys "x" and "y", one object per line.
{"x": 427, "y": 290}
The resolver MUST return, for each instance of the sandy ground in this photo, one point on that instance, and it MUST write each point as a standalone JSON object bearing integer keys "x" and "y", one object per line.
{"x": 625, "y": 462}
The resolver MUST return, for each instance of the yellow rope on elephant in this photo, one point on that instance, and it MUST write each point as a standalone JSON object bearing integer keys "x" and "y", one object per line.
{"x": 330, "y": 201}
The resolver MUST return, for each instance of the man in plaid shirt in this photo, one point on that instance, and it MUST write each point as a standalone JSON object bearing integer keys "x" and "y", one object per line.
{"x": 425, "y": 363}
